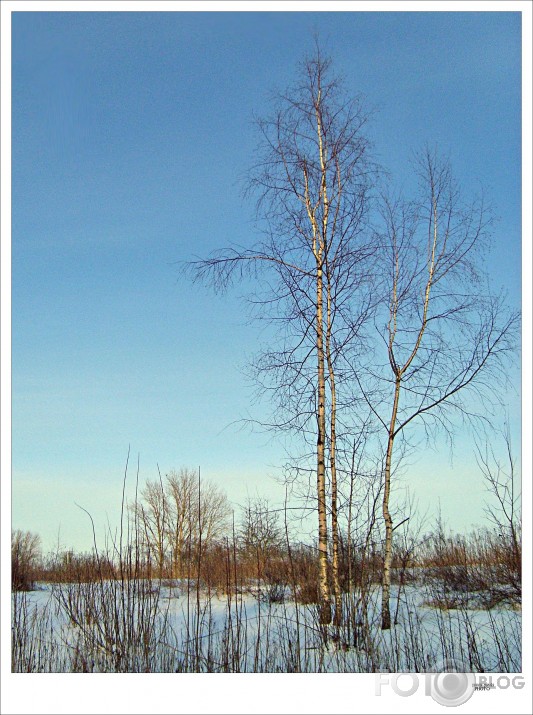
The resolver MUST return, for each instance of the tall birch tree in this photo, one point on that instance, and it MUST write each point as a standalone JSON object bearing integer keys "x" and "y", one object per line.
{"x": 313, "y": 182}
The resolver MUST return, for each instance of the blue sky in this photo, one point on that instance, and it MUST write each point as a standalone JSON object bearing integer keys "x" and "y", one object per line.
{"x": 130, "y": 133}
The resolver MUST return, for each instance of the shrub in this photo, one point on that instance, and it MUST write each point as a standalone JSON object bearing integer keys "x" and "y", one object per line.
{"x": 25, "y": 556}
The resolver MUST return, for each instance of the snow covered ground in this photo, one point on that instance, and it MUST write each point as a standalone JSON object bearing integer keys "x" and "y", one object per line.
{"x": 171, "y": 627}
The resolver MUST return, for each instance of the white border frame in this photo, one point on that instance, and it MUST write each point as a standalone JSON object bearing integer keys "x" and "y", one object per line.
{"x": 253, "y": 693}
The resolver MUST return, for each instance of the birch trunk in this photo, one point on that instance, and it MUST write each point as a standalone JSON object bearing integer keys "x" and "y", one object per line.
{"x": 399, "y": 372}
{"x": 324, "y": 593}
{"x": 387, "y": 560}
{"x": 333, "y": 468}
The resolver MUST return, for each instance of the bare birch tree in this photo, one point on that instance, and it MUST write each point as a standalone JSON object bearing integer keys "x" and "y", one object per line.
{"x": 446, "y": 338}
{"x": 312, "y": 182}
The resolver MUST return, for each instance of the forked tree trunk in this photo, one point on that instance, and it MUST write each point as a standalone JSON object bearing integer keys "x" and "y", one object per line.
{"x": 399, "y": 372}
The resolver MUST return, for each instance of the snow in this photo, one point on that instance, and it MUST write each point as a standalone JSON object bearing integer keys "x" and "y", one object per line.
{"x": 163, "y": 626}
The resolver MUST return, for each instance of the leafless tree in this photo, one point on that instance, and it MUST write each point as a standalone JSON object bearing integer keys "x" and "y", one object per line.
{"x": 260, "y": 529}
{"x": 182, "y": 490}
{"x": 25, "y": 555}
{"x": 446, "y": 338}
{"x": 504, "y": 509}
{"x": 152, "y": 517}
{"x": 313, "y": 183}
{"x": 178, "y": 514}
{"x": 215, "y": 513}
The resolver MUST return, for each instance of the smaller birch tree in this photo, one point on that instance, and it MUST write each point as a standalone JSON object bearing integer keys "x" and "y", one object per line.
{"x": 447, "y": 339}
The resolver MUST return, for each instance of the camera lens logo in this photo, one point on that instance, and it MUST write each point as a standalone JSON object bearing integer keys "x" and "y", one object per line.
{"x": 451, "y": 686}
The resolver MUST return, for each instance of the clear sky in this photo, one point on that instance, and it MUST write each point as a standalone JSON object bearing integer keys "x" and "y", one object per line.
{"x": 130, "y": 132}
